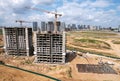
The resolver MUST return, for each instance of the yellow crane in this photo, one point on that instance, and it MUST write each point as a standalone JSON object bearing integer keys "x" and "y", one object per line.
{"x": 55, "y": 14}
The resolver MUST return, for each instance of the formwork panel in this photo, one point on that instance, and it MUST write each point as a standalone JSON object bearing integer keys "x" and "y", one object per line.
{"x": 95, "y": 68}
{"x": 18, "y": 41}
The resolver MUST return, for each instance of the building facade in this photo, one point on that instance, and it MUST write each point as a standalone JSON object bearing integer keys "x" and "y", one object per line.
{"x": 18, "y": 41}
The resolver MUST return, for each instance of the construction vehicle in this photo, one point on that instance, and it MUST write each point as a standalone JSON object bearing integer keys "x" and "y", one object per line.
{"x": 21, "y": 22}
{"x": 55, "y": 13}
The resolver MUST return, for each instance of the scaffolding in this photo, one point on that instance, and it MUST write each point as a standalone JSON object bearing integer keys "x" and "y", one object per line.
{"x": 50, "y": 48}
{"x": 18, "y": 41}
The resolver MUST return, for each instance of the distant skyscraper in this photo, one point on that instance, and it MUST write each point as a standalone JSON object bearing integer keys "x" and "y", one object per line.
{"x": 68, "y": 26}
{"x": 74, "y": 26}
{"x": 88, "y": 27}
{"x": 79, "y": 27}
{"x": 43, "y": 26}
{"x": 50, "y": 26}
{"x": 100, "y": 28}
{"x": 58, "y": 26}
{"x": 84, "y": 26}
{"x": 35, "y": 26}
{"x": 119, "y": 28}
{"x": 63, "y": 26}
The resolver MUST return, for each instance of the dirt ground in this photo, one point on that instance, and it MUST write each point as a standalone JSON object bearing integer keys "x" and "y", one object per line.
{"x": 60, "y": 71}
{"x": 91, "y": 59}
{"x": 9, "y": 74}
{"x": 65, "y": 72}
{"x": 115, "y": 48}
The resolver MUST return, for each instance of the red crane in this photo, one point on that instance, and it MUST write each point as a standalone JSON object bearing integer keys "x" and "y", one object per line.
{"x": 55, "y": 14}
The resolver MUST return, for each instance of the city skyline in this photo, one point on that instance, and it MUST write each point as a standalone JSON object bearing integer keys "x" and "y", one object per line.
{"x": 89, "y": 12}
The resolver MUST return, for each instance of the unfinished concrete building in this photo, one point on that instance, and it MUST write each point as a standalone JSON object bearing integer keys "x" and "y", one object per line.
{"x": 50, "y": 48}
{"x": 18, "y": 41}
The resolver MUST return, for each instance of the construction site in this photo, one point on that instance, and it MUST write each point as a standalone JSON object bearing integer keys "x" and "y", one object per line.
{"x": 50, "y": 48}
{"x": 44, "y": 48}
{"x": 47, "y": 42}
{"x": 47, "y": 52}
{"x": 18, "y": 41}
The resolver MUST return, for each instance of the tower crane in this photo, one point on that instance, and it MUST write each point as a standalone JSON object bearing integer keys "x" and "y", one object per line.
{"x": 54, "y": 13}
{"x": 22, "y": 21}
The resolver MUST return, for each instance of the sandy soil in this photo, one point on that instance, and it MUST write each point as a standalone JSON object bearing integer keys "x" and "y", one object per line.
{"x": 115, "y": 48}
{"x": 90, "y": 76}
{"x": 9, "y": 74}
{"x": 59, "y": 71}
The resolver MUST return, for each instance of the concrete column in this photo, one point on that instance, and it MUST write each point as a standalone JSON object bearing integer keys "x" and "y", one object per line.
{"x": 63, "y": 57}
{"x": 51, "y": 48}
{"x": 35, "y": 44}
{"x": 4, "y": 39}
{"x": 27, "y": 42}
{"x": 17, "y": 40}
{"x": 63, "y": 47}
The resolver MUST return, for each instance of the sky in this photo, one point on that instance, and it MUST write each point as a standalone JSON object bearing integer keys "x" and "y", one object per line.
{"x": 89, "y": 12}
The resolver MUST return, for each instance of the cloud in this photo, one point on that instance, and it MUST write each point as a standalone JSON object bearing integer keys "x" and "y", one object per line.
{"x": 43, "y": 2}
{"x": 11, "y": 10}
{"x": 18, "y": 6}
{"x": 89, "y": 12}
{"x": 100, "y": 3}
{"x": 118, "y": 7}
{"x": 14, "y": 6}
{"x": 95, "y": 3}
{"x": 93, "y": 12}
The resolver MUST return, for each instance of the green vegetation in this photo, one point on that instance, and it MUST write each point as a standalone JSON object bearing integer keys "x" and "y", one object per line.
{"x": 93, "y": 40}
{"x": 28, "y": 61}
{"x": 98, "y": 33}
{"x": 94, "y": 34}
{"x": 68, "y": 72}
{"x": 92, "y": 43}
{"x": 116, "y": 41}
{"x": 87, "y": 40}
{"x": 93, "y": 52}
